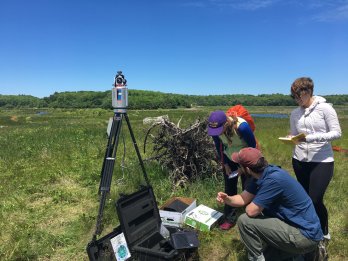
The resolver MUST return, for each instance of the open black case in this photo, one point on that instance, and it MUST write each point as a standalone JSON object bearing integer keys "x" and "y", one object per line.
{"x": 140, "y": 223}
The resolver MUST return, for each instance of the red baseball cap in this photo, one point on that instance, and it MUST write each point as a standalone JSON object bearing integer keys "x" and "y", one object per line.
{"x": 247, "y": 157}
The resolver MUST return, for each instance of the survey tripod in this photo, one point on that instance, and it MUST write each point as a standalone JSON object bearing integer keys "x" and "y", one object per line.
{"x": 120, "y": 102}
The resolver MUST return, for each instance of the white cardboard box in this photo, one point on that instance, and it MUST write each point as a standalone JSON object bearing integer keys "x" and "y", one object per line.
{"x": 176, "y": 219}
{"x": 202, "y": 218}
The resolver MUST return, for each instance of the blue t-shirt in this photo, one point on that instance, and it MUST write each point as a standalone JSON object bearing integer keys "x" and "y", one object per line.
{"x": 283, "y": 197}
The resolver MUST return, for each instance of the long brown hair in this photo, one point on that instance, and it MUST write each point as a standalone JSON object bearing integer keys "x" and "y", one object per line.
{"x": 230, "y": 131}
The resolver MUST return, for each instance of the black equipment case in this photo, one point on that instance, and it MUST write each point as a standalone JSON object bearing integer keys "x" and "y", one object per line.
{"x": 141, "y": 223}
{"x": 101, "y": 249}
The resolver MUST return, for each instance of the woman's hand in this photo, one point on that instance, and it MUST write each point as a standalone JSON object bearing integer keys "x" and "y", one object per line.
{"x": 227, "y": 169}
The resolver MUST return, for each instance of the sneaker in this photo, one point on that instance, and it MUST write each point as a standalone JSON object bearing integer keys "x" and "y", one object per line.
{"x": 226, "y": 225}
{"x": 319, "y": 253}
{"x": 322, "y": 252}
{"x": 327, "y": 237}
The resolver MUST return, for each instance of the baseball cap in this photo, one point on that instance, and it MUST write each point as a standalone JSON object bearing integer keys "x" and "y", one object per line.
{"x": 216, "y": 123}
{"x": 247, "y": 157}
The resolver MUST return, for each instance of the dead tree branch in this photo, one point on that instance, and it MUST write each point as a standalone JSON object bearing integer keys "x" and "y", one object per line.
{"x": 187, "y": 153}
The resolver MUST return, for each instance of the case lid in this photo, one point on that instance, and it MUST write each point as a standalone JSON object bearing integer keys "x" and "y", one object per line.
{"x": 176, "y": 205}
{"x": 138, "y": 214}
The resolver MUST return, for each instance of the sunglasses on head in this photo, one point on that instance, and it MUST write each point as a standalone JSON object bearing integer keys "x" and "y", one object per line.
{"x": 297, "y": 95}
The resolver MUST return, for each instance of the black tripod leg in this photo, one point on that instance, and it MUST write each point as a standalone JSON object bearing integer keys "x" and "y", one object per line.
{"x": 108, "y": 168}
{"x": 137, "y": 149}
{"x": 111, "y": 149}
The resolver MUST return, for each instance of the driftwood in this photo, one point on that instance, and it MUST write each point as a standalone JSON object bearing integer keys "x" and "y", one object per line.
{"x": 187, "y": 153}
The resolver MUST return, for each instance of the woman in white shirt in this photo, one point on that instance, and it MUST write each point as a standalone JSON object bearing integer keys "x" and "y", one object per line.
{"x": 312, "y": 159}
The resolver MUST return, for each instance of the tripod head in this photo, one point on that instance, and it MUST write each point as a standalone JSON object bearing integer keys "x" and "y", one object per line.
{"x": 120, "y": 93}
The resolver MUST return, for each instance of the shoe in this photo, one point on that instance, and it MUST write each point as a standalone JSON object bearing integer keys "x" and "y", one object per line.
{"x": 322, "y": 252}
{"x": 327, "y": 237}
{"x": 227, "y": 225}
{"x": 319, "y": 253}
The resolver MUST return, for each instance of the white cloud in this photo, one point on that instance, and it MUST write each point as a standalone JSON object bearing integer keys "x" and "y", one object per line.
{"x": 244, "y": 4}
{"x": 333, "y": 13}
{"x": 318, "y": 10}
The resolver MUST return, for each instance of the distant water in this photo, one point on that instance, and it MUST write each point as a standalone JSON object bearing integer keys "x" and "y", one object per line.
{"x": 42, "y": 113}
{"x": 270, "y": 115}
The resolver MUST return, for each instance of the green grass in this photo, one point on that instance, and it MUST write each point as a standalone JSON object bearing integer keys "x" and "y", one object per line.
{"x": 50, "y": 171}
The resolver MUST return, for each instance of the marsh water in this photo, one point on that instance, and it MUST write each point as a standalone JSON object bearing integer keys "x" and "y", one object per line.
{"x": 270, "y": 115}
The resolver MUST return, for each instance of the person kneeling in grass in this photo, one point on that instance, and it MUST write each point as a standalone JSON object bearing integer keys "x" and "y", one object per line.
{"x": 280, "y": 220}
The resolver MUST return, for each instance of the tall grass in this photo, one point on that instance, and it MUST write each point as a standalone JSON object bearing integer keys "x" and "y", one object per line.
{"x": 50, "y": 171}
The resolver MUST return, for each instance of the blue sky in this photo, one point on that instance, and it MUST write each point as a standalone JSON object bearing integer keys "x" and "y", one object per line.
{"x": 173, "y": 46}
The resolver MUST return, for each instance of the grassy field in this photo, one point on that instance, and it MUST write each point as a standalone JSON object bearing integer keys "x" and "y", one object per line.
{"x": 50, "y": 171}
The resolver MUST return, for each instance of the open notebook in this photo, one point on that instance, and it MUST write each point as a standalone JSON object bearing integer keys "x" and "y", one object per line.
{"x": 293, "y": 139}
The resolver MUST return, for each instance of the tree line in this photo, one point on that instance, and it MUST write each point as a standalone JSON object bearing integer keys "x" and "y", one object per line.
{"x": 139, "y": 99}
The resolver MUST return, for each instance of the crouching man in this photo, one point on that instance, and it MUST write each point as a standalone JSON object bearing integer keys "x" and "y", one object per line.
{"x": 280, "y": 222}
